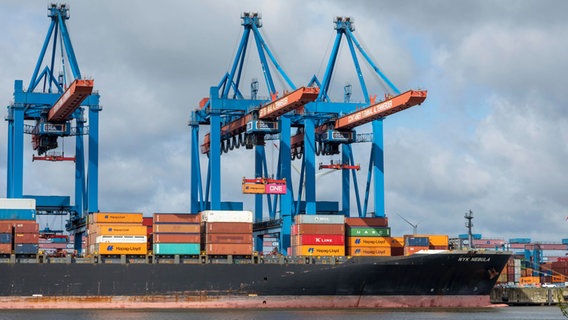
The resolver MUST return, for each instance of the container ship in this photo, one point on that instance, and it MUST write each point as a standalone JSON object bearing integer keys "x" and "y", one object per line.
{"x": 207, "y": 260}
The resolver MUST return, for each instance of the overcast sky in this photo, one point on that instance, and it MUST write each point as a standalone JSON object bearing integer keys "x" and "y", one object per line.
{"x": 492, "y": 135}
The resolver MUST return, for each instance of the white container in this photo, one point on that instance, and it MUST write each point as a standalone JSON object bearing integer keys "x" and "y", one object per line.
{"x": 320, "y": 219}
{"x": 121, "y": 239}
{"x": 8, "y": 203}
{"x": 226, "y": 216}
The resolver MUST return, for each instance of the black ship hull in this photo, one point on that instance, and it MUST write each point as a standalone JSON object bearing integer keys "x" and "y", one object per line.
{"x": 444, "y": 279}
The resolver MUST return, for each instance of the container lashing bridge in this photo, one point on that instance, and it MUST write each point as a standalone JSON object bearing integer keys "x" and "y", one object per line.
{"x": 55, "y": 100}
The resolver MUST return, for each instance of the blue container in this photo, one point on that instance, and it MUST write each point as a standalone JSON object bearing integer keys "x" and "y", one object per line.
{"x": 564, "y": 241}
{"x": 520, "y": 240}
{"x": 26, "y": 248}
{"x": 5, "y": 238}
{"x": 17, "y": 214}
{"x": 177, "y": 248}
{"x": 417, "y": 242}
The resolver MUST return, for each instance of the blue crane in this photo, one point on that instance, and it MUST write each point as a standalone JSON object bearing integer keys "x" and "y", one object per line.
{"x": 55, "y": 100}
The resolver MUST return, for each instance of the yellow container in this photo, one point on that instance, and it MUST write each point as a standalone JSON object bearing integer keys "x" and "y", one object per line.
{"x": 369, "y": 241}
{"x": 253, "y": 188}
{"x": 397, "y": 242}
{"x": 529, "y": 280}
{"x": 319, "y": 250}
{"x": 369, "y": 251}
{"x": 120, "y": 229}
{"x": 117, "y": 217}
{"x": 122, "y": 248}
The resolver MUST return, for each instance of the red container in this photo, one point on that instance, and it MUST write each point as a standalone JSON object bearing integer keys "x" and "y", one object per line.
{"x": 324, "y": 239}
{"x": 176, "y": 228}
{"x": 367, "y": 222}
{"x": 147, "y": 221}
{"x": 26, "y": 226}
{"x": 228, "y": 227}
{"x": 229, "y": 249}
{"x": 32, "y": 238}
{"x": 237, "y": 238}
{"x": 320, "y": 229}
{"x": 6, "y": 227}
{"x": 176, "y": 218}
{"x": 5, "y": 248}
{"x": 177, "y": 238}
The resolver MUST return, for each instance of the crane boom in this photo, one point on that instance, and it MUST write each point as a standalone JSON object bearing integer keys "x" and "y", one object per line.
{"x": 382, "y": 109}
{"x": 271, "y": 111}
{"x": 71, "y": 99}
{"x": 289, "y": 102}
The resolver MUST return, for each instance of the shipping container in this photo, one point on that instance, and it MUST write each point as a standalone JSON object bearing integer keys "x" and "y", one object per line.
{"x": 243, "y": 238}
{"x": 370, "y": 241}
{"x": 5, "y": 248}
{"x": 18, "y": 214}
{"x": 177, "y": 248}
{"x": 6, "y": 227}
{"x": 176, "y": 228}
{"x": 319, "y": 229}
{"x": 368, "y": 231}
{"x": 122, "y": 248}
{"x": 369, "y": 251}
{"x": 26, "y": 227}
{"x": 116, "y": 217}
{"x": 176, "y": 238}
{"x": 397, "y": 242}
{"x": 121, "y": 239}
{"x": 529, "y": 280}
{"x": 414, "y": 241}
{"x": 228, "y": 227}
{"x": 319, "y": 219}
{"x": 5, "y": 238}
{"x": 148, "y": 221}
{"x": 119, "y": 229}
{"x": 17, "y": 203}
{"x": 319, "y": 250}
{"x": 32, "y": 238}
{"x": 367, "y": 222}
{"x": 226, "y": 216}
{"x": 26, "y": 248}
{"x": 176, "y": 218}
{"x": 253, "y": 188}
{"x": 320, "y": 239}
{"x": 228, "y": 249}
{"x": 408, "y": 250}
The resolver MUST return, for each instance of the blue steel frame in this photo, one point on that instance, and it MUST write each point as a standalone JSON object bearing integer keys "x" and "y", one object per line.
{"x": 29, "y": 105}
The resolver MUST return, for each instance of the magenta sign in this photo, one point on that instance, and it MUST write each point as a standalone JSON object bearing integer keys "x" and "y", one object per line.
{"x": 272, "y": 188}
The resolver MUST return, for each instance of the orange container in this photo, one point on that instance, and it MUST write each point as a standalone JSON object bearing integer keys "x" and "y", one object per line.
{"x": 119, "y": 229}
{"x": 5, "y": 248}
{"x": 369, "y": 251}
{"x": 122, "y": 248}
{"x": 177, "y": 228}
{"x": 412, "y": 250}
{"x": 369, "y": 241}
{"x": 226, "y": 249}
{"x": 253, "y": 188}
{"x": 367, "y": 222}
{"x": 23, "y": 226}
{"x": 176, "y": 218}
{"x": 6, "y": 227}
{"x": 177, "y": 238}
{"x": 243, "y": 238}
{"x": 319, "y": 250}
{"x": 228, "y": 227}
{"x": 304, "y": 228}
{"x": 117, "y": 217}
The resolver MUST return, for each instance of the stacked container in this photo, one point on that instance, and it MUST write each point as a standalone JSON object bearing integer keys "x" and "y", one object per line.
{"x": 413, "y": 244}
{"x": 117, "y": 234}
{"x": 19, "y": 232}
{"x": 176, "y": 234}
{"x": 318, "y": 235}
{"x": 368, "y": 237}
{"x": 227, "y": 232}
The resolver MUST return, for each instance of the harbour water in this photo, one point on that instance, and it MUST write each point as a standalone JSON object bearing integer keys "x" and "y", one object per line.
{"x": 505, "y": 313}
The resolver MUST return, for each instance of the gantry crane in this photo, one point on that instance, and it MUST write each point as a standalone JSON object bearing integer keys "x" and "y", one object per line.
{"x": 55, "y": 100}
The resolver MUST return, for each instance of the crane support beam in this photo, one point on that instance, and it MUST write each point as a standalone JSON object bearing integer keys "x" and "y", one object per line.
{"x": 294, "y": 100}
{"x": 77, "y": 92}
{"x": 382, "y": 109}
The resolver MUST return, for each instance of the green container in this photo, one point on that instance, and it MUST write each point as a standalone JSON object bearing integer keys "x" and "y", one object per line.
{"x": 177, "y": 248}
{"x": 368, "y": 231}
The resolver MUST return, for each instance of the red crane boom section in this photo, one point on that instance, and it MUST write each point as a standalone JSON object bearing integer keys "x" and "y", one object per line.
{"x": 70, "y": 100}
{"x": 291, "y": 101}
{"x": 382, "y": 109}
